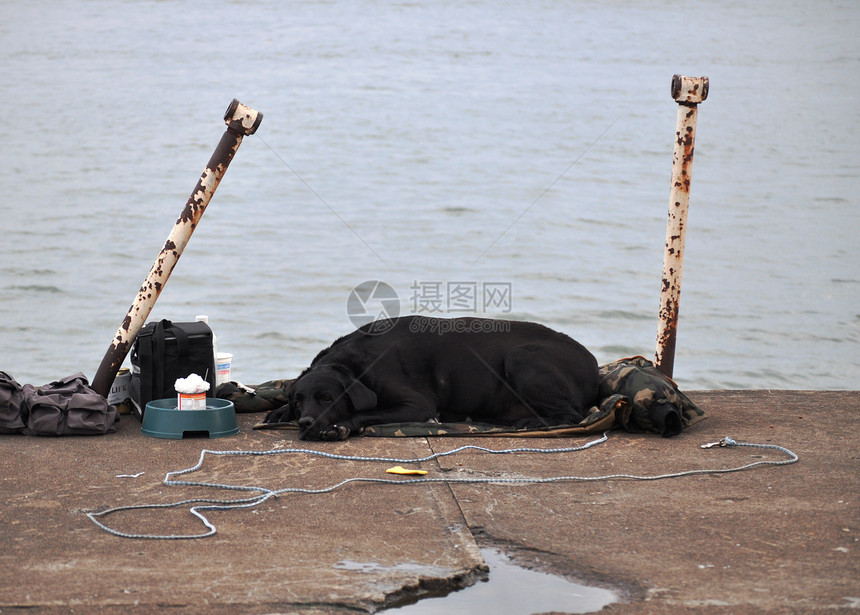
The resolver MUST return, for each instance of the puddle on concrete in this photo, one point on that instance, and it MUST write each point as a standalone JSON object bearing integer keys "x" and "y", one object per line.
{"x": 512, "y": 590}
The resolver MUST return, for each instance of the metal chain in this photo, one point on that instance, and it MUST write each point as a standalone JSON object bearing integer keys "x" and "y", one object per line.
{"x": 206, "y": 504}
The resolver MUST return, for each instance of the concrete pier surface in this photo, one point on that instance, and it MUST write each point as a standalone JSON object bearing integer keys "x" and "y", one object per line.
{"x": 778, "y": 539}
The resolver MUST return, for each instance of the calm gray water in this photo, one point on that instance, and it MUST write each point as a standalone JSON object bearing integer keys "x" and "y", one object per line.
{"x": 435, "y": 146}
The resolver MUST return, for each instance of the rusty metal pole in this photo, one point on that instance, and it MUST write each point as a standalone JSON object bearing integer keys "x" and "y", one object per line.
{"x": 241, "y": 120}
{"x": 688, "y": 92}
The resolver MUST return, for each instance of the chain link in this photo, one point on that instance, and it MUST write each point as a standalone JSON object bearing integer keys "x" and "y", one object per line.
{"x": 207, "y": 504}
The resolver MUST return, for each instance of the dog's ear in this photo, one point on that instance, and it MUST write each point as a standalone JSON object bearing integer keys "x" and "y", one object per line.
{"x": 362, "y": 398}
{"x": 290, "y": 407}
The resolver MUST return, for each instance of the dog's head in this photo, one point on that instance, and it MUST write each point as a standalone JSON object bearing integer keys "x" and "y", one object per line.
{"x": 323, "y": 398}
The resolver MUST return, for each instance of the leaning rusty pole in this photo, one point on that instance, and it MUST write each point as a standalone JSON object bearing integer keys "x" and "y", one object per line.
{"x": 688, "y": 92}
{"x": 241, "y": 121}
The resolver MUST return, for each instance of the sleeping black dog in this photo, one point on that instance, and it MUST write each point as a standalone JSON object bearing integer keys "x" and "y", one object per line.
{"x": 519, "y": 374}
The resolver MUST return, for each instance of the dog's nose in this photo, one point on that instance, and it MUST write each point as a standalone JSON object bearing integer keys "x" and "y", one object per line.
{"x": 305, "y": 423}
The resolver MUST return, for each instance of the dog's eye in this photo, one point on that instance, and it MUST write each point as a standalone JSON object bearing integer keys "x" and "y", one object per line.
{"x": 325, "y": 398}
{"x": 298, "y": 403}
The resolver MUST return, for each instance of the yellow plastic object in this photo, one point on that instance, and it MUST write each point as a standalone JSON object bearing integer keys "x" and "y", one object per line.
{"x": 402, "y": 470}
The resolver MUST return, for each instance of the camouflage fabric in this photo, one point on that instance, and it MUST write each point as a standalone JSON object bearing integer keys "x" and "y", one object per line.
{"x": 257, "y": 398}
{"x": 635, "y": 396}
{"x": 611, "y": 411}
{"x": 657, "y": 404}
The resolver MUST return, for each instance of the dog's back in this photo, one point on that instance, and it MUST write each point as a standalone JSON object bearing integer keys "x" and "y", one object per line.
{"x": 472, "y": 367}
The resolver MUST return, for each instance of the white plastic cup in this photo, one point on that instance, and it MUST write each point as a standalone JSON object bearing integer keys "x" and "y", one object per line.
{"x": 223, "y": 366}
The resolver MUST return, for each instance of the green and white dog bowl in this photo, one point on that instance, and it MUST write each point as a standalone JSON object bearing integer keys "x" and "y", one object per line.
{"x": 163, "y": 419}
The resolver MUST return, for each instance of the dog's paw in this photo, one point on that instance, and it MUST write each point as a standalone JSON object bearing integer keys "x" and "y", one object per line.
{"x": 278, "y": 415}
{"x": 335, "y": 432}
